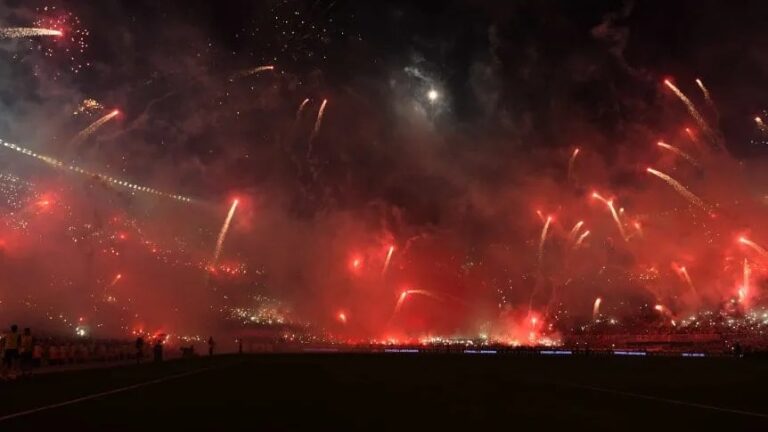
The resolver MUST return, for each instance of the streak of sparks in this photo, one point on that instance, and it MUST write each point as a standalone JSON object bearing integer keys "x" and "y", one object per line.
{"x": 319, "y": 120}
{"x": 689, "y": 105}
{"x": 682, "y": 190}
{"x": 301, "y": 108}
{"x": 318, "y": 123}
{"x": 696, "y": 115}
{"x": 25, "y": 32}
{"x": 85, "y": 133}
{"x": 252, "y": 71}
{"x": 113, "y": 180}
{"x": 744, "y": 290}
{"x": 404, "y": 295}
{"x": 680, "y": 153}
{"x": 596, "y": 308}
{"x": 571, "y": 162}
{"x": 612, "y": 209}
{"x": 575, "y": 230}
{"x": 387, "y": 259}
{"x": 683, "y": 273}
{"x": 705, "y": 91}
{"x": 581, "y": 239}
{"x": 223, "y": 232}
{"x": 754, "y": 246}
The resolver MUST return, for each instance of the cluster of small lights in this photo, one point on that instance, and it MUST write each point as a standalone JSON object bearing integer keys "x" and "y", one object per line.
{"x": 71, "y": 46}
{"x": 13, "y": 192}
{"x": 267, "y": 311}
{"x": 88, "y": 107}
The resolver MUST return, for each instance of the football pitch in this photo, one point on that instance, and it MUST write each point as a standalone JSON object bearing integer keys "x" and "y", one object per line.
{"x": 396, "y": 392}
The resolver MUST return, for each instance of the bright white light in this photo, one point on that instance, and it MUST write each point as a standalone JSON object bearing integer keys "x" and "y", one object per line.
{"x": 432, "y": 95}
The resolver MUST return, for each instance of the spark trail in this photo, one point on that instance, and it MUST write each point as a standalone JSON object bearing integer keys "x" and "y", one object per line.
{"x": 683, "y": 273}
{"x": 253, "y": 71}
{"x": 754, "y": 246}
{"x": 319, "y": 120}
{"x": 707, "y": 96}
{"x": 581, "y": 239}
{"x": 596, "y": 308}
{"x": 113, "y": 180}
{"x": 744, "y": 290}
{"x": 301, "y": 108}
{"x": 688, "y": 195}
{"x": 680, "y": 153}
{"x": 574, "y": 231}
{"x": 318, "y": 123}
{"x": 703, "y": 125}
{"x": 85, "y": 133}
{"x": 612, "y": 209}
{"x": 223, "y": 232}
{"x": 404, "y": 295}
{"x": 694, "y": 139}
{"x": 25, "y": 32}
{"x": 571, "y": 162}
{"x": 387, "y": 259}
{"x": 689, "y": 105}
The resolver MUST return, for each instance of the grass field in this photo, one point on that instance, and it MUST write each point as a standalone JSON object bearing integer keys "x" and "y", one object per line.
{"x": 399, "y": 392}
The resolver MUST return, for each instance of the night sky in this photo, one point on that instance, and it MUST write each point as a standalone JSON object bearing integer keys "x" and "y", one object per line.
{"x": 448, "y": 124}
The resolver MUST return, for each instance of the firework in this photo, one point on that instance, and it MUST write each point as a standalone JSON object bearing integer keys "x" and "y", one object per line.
{"x": 342, "y": 317}
{"x": 760, "y": 125}
{"x": 387, "y": 259}
{"x": 301, "y": 108}
{"x": 404, "y": 295}
{"x": 754, "y": 246}
{"x": 683, "y": 273}
{"x": 612, "y": 209}
{"x": 688, "y": 195}
{"x": 112, "y": 180}
{"x": 85, "y": 133}
{"x": 25, "y": 32}
{"x": 319, "y": 120}
{"x": 744, "y": 289}
{"x": 252, "y": 71}
{"x": 88, "y": 106}
{"x": 581, "y": 239}
{"x": 116, "y": 279}
{"x": 704, "y": 91}
{"x": 680, "y": 153}
{"x": 223, "y": 232}
{"x": 574, "y": 231}
{"x": 543, "y": 238}
{"x": 400, "y": 301}
{"x": 571, "y": 162}
{"x": 596, "y": 308}
{"x": 689, "y": 105}
{"x": 694, "y": 139}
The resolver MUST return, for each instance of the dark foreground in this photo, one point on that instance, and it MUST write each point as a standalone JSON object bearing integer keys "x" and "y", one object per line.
{"x": 399, "y": 392}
